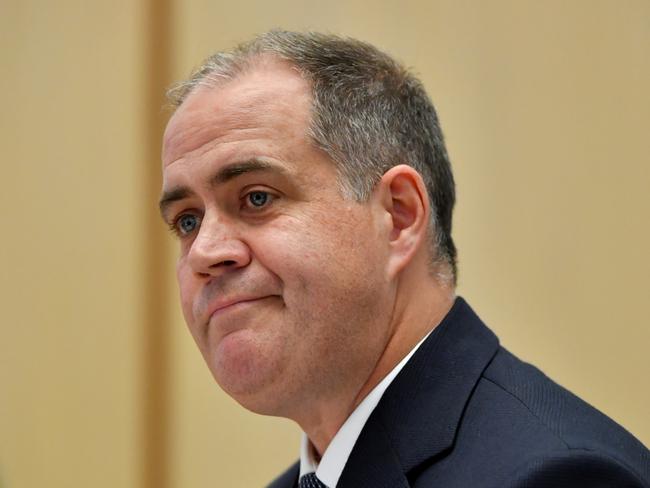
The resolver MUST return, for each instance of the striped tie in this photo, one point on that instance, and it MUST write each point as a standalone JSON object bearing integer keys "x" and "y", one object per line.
{"x": 310, "y": 481}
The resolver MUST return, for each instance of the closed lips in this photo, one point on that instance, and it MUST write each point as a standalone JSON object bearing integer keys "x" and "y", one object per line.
{"x": 222, "y": 306}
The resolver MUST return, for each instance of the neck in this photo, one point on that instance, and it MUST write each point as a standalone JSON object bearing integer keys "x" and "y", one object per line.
{"x": 418, "y": 308}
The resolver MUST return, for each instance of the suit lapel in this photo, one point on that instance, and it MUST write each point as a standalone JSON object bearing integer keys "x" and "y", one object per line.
{"x": 288, "y": 479}
{"x": 372, "y": 462}
{"x": 417, "y": 418}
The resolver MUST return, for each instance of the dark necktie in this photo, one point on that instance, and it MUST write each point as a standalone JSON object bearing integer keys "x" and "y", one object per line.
{"x": 310, "y": 481}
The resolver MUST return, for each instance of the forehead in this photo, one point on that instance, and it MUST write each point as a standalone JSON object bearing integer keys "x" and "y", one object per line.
{"x": 271, "y": 99}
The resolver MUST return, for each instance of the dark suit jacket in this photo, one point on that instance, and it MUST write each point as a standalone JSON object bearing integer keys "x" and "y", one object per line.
{"x": 465, "y": 413}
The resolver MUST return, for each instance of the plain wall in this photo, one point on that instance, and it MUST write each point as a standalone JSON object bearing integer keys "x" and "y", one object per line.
{"x": 70, "y": 279}
{"x": 545, "y": 108}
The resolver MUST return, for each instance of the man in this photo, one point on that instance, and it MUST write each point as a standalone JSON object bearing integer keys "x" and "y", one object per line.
{"x": 307, "y": 181}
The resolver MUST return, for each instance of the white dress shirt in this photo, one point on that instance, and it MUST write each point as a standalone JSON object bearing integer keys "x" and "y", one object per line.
{"x": 336, "y": 455}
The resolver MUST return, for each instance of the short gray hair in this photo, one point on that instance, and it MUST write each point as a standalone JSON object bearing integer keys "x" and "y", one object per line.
{"x": 369, "y": 114}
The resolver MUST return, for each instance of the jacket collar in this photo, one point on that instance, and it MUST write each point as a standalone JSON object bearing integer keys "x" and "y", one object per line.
{"x": 419, "y": 414}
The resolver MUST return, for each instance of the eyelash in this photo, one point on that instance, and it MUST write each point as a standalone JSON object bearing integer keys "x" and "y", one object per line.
{"x": 174, "y": 225}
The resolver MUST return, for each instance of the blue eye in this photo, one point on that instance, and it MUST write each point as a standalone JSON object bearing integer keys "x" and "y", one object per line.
{"x": 258, "y": 198}
{"x": 186, "y": 224}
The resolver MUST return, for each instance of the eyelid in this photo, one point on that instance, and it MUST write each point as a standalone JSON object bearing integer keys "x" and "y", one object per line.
{"x": 258, "y": 187}
{"x": 179, "y": 208}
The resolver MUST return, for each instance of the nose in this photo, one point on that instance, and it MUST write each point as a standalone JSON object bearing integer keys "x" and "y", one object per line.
{"x": 217, "y": 248}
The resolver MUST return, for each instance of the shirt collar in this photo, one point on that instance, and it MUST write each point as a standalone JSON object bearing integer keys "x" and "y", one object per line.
{"x": 336, "y": 455}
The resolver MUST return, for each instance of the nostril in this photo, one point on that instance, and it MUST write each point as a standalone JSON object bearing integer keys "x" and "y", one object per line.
{"x": 228, "y": 262}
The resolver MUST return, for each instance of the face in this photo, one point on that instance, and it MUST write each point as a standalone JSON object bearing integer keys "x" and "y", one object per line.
{"x": 281, "y": 278}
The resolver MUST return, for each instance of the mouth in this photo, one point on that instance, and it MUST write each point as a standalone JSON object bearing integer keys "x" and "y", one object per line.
{"x": 232, "y": 305}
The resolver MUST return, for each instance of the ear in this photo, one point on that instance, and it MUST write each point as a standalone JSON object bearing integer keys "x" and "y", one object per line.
{"x": 404, "y": 197}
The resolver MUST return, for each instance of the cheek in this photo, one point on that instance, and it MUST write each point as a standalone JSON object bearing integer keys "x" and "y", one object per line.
{"x": 321, "y": 263}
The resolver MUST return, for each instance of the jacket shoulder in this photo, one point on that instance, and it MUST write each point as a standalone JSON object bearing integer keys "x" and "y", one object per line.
{"x": 519, "y": 429}
{"x": 550, "y": 469}
{"x": 572, "y": 422}
{"x": 574, "y": 468}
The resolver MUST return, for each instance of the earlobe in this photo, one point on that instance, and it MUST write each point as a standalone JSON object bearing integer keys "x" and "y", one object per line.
{"x": 406, "y": 201}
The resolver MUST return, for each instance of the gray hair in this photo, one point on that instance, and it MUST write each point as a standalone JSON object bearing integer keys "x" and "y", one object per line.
{"x": 369, "y": 114}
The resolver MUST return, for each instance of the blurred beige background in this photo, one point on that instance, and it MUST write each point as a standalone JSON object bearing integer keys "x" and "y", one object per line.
{"x": 546, "y": 110}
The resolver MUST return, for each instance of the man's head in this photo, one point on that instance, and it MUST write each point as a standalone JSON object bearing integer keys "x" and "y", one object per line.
{"x": 368, "y": 113}
{"x": 291, "y": 284}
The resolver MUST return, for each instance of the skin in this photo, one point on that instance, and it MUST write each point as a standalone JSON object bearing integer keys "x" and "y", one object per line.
{"x": 299, "y": 299}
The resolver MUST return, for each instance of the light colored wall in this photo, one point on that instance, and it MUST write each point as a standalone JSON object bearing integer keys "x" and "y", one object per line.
{"x": 545, "y": 109}
{"x": 69, "y": 205}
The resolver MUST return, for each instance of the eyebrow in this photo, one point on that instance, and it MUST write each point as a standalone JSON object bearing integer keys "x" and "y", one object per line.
{"x": 225, "y": 174}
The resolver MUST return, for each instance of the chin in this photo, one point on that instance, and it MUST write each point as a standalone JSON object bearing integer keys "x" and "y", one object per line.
{"x": 258, "y": 397}
{"x": 247, "y": 372}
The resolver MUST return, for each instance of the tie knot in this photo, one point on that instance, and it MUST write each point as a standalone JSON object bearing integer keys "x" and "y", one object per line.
{"x": 310, "y": 481}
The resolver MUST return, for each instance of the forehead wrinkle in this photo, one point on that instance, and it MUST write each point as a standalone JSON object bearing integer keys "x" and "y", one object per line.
{"x": 198, "y": 135}
{"x": 220, "y": 145}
